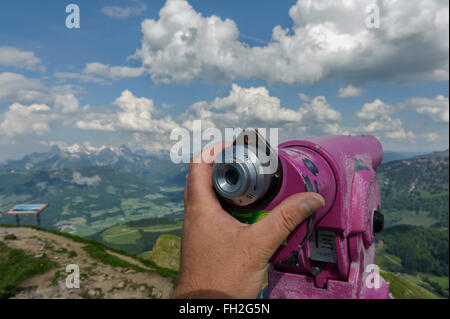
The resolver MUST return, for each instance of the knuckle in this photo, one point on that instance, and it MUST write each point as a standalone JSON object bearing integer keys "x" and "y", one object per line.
{"x": 193, "y": 172}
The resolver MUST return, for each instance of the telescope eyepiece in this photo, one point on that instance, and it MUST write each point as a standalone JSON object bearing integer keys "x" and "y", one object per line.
{"x": 230, "y": 179}
{"x": 232, "y": 176}
{"x": 238, "y": 176}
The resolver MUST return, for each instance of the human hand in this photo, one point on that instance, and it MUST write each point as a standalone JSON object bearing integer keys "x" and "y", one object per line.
{"x": 220, "y": 256}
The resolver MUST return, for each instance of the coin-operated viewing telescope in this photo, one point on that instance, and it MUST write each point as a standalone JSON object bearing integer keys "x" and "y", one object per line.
{"x": 332, "y": 253}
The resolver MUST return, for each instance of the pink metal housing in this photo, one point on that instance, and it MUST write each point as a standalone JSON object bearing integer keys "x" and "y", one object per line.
{"x": 343, "y": 172}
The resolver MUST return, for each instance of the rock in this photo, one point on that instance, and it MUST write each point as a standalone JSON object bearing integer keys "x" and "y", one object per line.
{"x": 10, "y": 236}
{"x": 38, "y": 256}
{"x": 121, "y": 285}
{"x": 156, "y": 293}
{"x": 142, "y": 288}
{"x": 130, "y": 271}
{"x": 92, "y": 293}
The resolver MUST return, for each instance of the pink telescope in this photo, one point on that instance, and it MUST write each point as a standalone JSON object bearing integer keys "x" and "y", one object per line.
{"x": 331, "y": 254}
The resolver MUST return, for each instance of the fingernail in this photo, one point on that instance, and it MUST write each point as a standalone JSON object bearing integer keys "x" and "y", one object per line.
{"x": 314, "y": 203}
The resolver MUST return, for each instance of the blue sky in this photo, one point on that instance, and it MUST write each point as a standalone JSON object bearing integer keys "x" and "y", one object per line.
{"x": 136, "y": 69}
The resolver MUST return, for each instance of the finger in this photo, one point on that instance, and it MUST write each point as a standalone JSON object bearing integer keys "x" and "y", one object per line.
{"x": 283, "y": 219}
{"x": 200, "y": 172}
{"x": 208, "y": 155}
{"x": 185, "y": 188}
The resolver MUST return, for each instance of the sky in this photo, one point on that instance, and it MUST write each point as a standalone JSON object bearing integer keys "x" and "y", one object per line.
{"x": 136, "y": 70}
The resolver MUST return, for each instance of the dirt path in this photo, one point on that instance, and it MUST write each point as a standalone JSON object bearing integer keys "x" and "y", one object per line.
{"x": 97, "y": 280}
{"x": 130, "y": 260}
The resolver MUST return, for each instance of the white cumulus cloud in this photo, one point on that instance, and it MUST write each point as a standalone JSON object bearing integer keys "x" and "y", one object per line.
{"x": 13, "y": 57}
{"x": 96, "y": 72}
{"x": 134, "y": 114}
{"x": 112, "y": 72}
{"x": 375, "y": 110}
{"x": 437, "y": 109}
{"x": 377, "y": 120}
{"x": 18, "y": 88}
{"x": 255, "y": 107}
{"x": 432, "y": 136}
{"x": 35, "y": 106}
{"x": 66, "y": 103}
{"x": 328, "y": 40}
{"x": 117, "y": 12}
{"x": 22, "y": 120}
{"x": 349, "y": 91}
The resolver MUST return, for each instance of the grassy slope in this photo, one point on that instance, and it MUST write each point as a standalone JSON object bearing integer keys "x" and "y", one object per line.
{"x": 421, "y": 250}
{"x": 165, "y": 258}
{"x": 124, "y": 234}
{"x": 99, "y": 252}
{"x": 139, "y": 236}
{"x": 166, "y": 252}
{"x": 406, "y": 287}
{"x": 415, "y": 189}
{"x": 16, "y": 266}
{"x": 392, "y": 265}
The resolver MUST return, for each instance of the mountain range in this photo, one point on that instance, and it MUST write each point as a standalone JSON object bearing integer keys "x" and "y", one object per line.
{"x": 120, "y": 158}
{"x": 417, "y": 187}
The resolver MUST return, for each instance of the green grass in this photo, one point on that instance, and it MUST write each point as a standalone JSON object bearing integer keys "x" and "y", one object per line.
{"x": 72, "y": 254}
{"x": 166, "y": 252}
{"x": 16, "y": 267}
{"x": 436, "y": 284}
{"x": 439, "y": 286}
{"x": 406, "y": 287}
{"x": 120, "y": 235}
{"x": 124, "y": 234}
{"x": 408, "y": 217}
{"x": 145, "y": 255}
{"x": 99, "y": 253}
{"x": 388, "y": 261}
{"x": 99, "y": 250}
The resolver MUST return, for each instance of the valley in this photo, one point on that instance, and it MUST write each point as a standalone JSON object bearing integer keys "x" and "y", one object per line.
{"x": 85, "y": 198}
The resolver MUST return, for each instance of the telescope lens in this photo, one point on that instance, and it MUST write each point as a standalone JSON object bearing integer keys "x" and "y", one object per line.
{"x": 230, "y": 180}
{"x": 238, "y": 177}
{"x": 232, "y": 176}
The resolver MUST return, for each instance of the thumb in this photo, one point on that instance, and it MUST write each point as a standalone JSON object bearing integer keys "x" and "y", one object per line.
{"x": 283, "y": 219}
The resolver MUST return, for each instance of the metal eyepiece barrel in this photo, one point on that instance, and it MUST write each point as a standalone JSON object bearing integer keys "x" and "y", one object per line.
{"x": 238, "y": 176}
